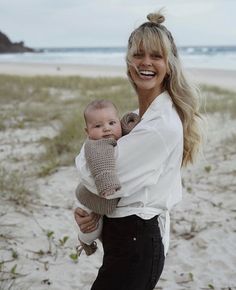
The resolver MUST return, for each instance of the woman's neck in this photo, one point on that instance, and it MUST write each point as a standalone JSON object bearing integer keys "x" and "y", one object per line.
{"x": 145, "y": 99}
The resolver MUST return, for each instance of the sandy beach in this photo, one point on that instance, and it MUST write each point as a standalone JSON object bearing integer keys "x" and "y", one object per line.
{"x": 38, "y": 241}
{"x": 31, "y": 69}
{"x": 223, "y": 78}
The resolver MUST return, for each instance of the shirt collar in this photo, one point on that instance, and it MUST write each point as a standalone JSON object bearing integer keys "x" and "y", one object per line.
{"x": 157, "y": 104}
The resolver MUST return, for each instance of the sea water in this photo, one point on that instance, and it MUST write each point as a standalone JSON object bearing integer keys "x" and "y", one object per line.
{"x": 211, "y": 57}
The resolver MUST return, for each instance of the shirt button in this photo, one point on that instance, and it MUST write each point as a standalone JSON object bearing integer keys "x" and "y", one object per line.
{"x": 134, "y": 239}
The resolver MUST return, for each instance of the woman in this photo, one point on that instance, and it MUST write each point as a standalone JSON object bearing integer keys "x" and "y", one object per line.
{"x": 135, "y": 236}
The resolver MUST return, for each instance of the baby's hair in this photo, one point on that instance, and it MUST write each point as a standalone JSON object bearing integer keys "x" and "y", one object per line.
{"x": 98, "y": 105}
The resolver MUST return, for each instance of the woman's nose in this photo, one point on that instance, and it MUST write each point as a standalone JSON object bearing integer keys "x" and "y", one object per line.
{"x": 146, "y": 60}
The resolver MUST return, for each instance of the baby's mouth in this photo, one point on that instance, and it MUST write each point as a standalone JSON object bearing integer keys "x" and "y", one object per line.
{"x": 108, "y": 136}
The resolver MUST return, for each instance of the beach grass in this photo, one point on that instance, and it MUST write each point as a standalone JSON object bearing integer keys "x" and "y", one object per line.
{"x": 31, "y": 102}
{"x": 34, "y": 102}
{"x": 218, "y": 100}
{"x": 13, "y": 187}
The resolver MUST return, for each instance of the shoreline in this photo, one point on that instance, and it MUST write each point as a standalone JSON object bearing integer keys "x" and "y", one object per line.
{"x": 216, "y": 77}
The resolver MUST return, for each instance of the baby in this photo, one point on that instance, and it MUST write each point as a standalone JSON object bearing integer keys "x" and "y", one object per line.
{"x": 103, "y": 129}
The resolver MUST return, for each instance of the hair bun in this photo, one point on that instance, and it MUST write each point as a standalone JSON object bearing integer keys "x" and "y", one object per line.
{"x": 156, "y": 18}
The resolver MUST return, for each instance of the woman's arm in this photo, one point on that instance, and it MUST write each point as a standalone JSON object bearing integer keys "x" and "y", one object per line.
{"x": 140, "y": 157}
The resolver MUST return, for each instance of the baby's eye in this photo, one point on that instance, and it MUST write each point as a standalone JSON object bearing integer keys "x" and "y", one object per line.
{"x": 112, "y": 123}
{"x": 97, "y": 126}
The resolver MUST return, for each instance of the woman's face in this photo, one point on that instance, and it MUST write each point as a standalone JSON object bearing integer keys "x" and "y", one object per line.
{"x": 148, "y": 70}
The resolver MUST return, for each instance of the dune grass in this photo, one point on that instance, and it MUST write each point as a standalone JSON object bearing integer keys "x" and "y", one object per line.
{"x": 31, "y": 102}
{"x": 14, "y": 186}
{"x": 28, "y": 102}
{"x": 218, "y": 100}
{"x": 62, "y": 149}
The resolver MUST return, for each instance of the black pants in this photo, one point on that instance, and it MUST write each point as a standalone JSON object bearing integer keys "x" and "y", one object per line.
{"x": 133, "y": 254}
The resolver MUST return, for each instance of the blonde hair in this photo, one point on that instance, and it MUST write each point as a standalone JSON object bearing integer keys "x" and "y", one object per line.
{"x": 155, "y": 37}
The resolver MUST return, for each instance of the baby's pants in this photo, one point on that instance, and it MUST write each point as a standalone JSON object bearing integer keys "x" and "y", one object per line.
{"x": 88, "y": 238}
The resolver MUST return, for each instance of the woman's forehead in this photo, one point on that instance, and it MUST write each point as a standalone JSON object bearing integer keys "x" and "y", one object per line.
{"x": 147, "y": 45}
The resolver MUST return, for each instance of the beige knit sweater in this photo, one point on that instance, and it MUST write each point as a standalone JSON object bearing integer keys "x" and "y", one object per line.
{"x": 99, "y": 155}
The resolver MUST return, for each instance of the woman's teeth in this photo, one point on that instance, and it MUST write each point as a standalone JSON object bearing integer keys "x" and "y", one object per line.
{"x": 147, "y": 73}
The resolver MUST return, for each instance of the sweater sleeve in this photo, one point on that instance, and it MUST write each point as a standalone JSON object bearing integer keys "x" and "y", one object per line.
{"x": 96, "y": 203}
{"x": 100, "y": 158}
{"x": 128, "y": 122}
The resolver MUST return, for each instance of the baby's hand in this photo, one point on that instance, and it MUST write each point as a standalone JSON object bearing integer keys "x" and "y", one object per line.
{"x": 110, "y": 191}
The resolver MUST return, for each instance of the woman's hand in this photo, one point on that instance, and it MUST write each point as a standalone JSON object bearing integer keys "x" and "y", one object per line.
{"x": 87, "y": 222}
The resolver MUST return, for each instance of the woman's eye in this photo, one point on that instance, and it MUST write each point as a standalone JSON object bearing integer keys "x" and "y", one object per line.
{"x": 156, "y": 56}
{"x": 137, "y": 55}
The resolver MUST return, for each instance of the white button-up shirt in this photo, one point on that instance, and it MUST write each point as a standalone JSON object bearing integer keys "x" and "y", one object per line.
{"x": 148, "y": 162}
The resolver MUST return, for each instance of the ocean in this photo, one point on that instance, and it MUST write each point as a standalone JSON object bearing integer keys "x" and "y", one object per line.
{"x": 211, "y": 57}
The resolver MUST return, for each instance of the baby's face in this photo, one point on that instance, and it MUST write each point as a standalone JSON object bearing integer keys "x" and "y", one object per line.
{"x": 103, "y": 123}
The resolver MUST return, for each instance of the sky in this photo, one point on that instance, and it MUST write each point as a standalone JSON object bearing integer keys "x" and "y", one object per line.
{"x": 81, "y": 23}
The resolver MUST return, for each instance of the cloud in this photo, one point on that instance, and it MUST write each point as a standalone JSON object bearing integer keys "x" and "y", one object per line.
{"x": 102, "y": 22}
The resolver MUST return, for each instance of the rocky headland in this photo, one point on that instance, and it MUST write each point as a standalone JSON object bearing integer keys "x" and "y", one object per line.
{"x": 6, "y": 46}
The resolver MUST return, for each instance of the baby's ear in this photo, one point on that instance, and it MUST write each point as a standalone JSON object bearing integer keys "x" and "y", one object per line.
{"x": 86, "y": 130}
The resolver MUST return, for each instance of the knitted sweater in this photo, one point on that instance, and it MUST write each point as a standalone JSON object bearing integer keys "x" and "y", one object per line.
{"x": 99, "y": 155}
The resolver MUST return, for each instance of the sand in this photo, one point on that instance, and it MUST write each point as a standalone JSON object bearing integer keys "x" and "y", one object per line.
{"x": 29, "y": 69}
{"x": 223, "y": 78}
{"x": 202, "y": 250}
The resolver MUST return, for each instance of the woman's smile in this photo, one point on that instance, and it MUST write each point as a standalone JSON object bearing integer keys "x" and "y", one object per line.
{"x": 148, "y": 70}
{"x": 146, "y": 74}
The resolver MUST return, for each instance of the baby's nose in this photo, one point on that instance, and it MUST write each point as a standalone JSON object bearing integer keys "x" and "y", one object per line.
{"x": 106, "y": 128}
